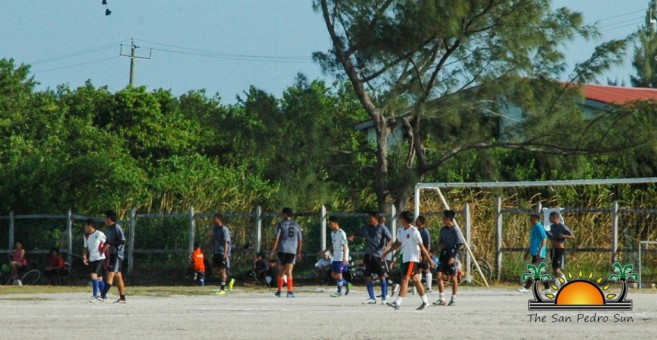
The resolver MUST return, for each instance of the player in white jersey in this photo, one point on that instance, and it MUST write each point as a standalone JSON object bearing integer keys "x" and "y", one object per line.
{"x": 340, "y": 256}
{"x": 93, "y": 255}
{"x": 410, "y": 241}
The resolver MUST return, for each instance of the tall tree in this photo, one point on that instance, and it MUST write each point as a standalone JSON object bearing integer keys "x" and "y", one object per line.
{"x": 443, "y": 69}
{"x": 645, "y": 53}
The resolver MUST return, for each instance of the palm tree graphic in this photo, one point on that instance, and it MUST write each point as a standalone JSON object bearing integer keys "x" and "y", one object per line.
{"x": 622, "y": 274}
{"x": 538, "y": 273}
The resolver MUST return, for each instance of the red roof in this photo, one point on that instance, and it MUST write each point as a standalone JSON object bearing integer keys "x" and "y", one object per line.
{"x": 618, "y": 95}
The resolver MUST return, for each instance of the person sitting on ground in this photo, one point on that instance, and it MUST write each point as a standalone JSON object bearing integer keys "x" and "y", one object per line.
{"x": 260, "y": 268}
{"x": 56, "y": 267}
{"x": 323, "y": 267}
{"x": 18, "y": 261}
{"x": 272, "y": 272}
{"x": 198, "y": 264}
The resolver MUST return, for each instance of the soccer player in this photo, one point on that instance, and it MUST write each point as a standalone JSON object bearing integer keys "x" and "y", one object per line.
{"x": 221, "y": 244}
{"x": 198, "y": 264}
{"x": 449, "y": 243}
{"x": 410, "y": 241}
{"x": 559, "y": 232}
{"x": 377, "y": 238}
{"x": 93, "y": 255}
{"x": 287, "y": 244}
{"x": 340, "y": 256}
{"x": 115, "y": 244}
{"x": 420, "y": 223}
{"x": 537, "y": 248}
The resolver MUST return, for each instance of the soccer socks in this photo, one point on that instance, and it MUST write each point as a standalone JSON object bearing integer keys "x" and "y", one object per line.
{"x": 399, "y": 300}
{"x": 370, "y": 290}
{"x": 94, "y": 283}
{"x": 429, "y": 277}
{"x": 280, "y": 283}
{"x": 384, "y": 289}
{"x": 223, "y": 285}
{"x": 425, "y": 299}
{"x": 105, "y": 290}
{"x": 441, "y": 297}
{"x": 340, "y": 283}
{"x": 290, "y": 284}
{"x": 453, "y": 297}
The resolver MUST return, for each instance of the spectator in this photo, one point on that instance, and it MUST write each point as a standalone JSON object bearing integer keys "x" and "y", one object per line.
{"x": 272, "y": 272}
{"x": 260, "y": 268}
{"x": 198, "y": 264}
{"x": 323, "y": 267}
{"x": 55, "y": 268}
{"x": 18, "y": 261}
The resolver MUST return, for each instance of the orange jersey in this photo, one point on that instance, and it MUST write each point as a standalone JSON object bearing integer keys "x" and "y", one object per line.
{"x": 198, "y": 261}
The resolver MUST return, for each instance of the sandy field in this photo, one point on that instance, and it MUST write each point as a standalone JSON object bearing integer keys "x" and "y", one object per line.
{"x": 256, "y": 314}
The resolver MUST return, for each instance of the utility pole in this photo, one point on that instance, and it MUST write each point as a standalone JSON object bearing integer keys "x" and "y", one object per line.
{"x": 133, "y": 56}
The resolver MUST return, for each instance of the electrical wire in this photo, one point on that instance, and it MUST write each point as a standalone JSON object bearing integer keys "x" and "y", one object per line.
{"x": 76, "y": 65}
{"x": 77, "y": 53}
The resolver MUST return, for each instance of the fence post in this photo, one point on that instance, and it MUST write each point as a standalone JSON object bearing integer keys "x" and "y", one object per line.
{"x": 614, "y": 232}
{"x": 539, "y": 207}
{"x": 468, "y": 223}
{"x": 192, "y": 230}
{"x": 11, "y": 231}
{"x": 131, "y": 240}
{"x": 69, "y": 236}
{"x": 258, "y": 228}
{"x": 498, "y": 236}
{"x": 393, "y": 222}
{"x": 323, "y": 226}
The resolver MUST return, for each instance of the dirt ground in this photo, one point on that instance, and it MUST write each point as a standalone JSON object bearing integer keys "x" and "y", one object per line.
{"x": 256, "y": 314}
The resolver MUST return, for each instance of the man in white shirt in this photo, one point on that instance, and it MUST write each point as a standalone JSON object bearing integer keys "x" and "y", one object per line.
{"x": 93, "y": 255}
{"x": 410, "y": 241}
{"x": 340, "y": 256}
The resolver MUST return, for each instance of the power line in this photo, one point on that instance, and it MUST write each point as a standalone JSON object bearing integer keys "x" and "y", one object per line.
{"x": 77, "y": 53}
{"x": 619, "y": 15}
{"x": 77, "y": 65}
{"x": 227, "y": 56}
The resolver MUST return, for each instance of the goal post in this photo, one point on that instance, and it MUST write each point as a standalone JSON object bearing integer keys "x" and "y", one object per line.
{"x": 519, "y": 184}
{"x": 641, "y": 244}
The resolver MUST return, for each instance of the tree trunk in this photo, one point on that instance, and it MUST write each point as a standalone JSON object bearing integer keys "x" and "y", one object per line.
{"x": 381, "y": 168}
{"x": 537, "y": 294}
{"x": 623, "y": 293}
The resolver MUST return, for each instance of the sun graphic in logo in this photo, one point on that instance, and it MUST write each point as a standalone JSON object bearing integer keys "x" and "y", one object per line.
{"x": 581, "y": 293}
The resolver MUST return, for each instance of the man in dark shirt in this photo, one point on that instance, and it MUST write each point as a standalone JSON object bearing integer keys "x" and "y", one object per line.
{"x": 377, "y": 238}
{"x": 221, "y": 244}
{"x": 115, "y": 246}
{"x": 559, "y": 232}
{"x": 449, "y": 243}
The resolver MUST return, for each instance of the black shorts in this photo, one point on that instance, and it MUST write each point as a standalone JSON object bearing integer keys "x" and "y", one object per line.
{"x": 219, "y": 261}
{"x": 115, "y": 264}
{"x": 409, "y": 269}
{"x": 558, "y": 257}
{"x": 423, "y": 266}
{"x": 286, "y": 258}
{"x": 446, "y": 268}
{"x": 375, "y": 265}
{"x": 96, "y": 267}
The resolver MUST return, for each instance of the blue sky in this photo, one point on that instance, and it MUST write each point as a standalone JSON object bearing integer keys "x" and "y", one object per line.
{"x": 223, "y": 46}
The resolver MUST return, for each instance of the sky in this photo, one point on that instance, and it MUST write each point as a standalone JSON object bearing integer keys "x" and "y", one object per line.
{"x": 222, "y": 46}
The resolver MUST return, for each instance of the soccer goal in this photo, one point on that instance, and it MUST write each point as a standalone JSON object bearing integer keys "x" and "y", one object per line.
{"x": 419, "y": 187}
{"x": 641, "y": 271}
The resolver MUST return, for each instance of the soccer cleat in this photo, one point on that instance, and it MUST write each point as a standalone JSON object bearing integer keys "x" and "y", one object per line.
{"x": 369, "y": 302}
{"x": 422, "y": 306}
{"x": 440, "y": 303}
{"x": 221, "y": 292}
{"x": 291, "y": 295}
{"x": 230, "y": 284}
{"x": 523, "y": 290}
{"x": 278, "y": 294}
{"x": 120, "y": 301}
{"x": 336, "y": 294}
{"x": 348, "y": 286}
{"x": 428, "y": 291}
{"x": 451, "y": 303}
{"x": 393, "y": 305}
